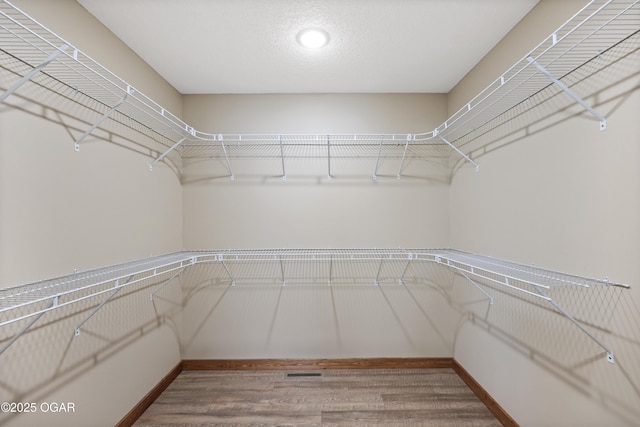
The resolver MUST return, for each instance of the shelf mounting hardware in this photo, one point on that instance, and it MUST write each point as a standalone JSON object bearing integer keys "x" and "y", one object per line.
{"x": 329, "y": 158}
{"x": 330, "y": 270}
{"x": 572, "y": 94}
{"x": 404, "y": 155}
{"x": 32, "y": 73}
{"x": 54, "y": 302}
{"x": 166, "y": 282}
{"x": 467, "y": 158}
{"x": 101, "y": 119}
{"x": 377, "y": 282}
{"x": 226, "y": 269}
{"x": 375, "y": 172}
{"x": 573, "y": 320}
{"x": 406, "y": 267}
{"x": 284, "y": 173}
{"x": 117, "y": 289}
{"x": 166, "y": 152}
{"x": 462, "y": 273}
{"x": 224, "y": 149}
{"x": 282, "y": 271}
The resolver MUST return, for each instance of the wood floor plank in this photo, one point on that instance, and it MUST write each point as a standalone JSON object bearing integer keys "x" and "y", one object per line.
{"x": 344, "y": 397}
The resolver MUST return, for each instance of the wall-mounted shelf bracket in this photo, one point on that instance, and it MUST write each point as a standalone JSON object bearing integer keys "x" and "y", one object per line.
{"x": 329, "y": 158}
{"x": 330, "y": 270}
{"x": 456, "y": 149}
{"x": 101, "y": 119}
{"x": 117, "y": 289}
{"x": 226, "y": 156}
{"x": 54, "y": 303}
{"x": 282, "y": 272}
{"x": 580, "y": 326}
{"x": 152, "y": 164}
{"x": 404, "y": 155}
{"x": 166, "y": 282}
{"x": 375, "y": 171}
{"x": 284, "y": 173}
{"x": 377, "y": 282}
{"x": 406, "y": 267}
{"x": 572, "y": 94}
{"x": 463, "y": 274}
{"x": 32, "y": 73}
{"x": 226, "y": 269}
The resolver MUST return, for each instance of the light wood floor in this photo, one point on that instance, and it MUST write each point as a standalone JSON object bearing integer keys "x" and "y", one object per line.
{"x": 341, "y": 397}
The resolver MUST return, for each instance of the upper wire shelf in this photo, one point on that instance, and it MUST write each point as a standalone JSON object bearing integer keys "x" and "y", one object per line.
{"x": 593, "y": 30}
{"x": 29, "y": 302}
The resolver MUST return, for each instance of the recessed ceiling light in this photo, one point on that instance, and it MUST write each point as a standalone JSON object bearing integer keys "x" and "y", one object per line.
{"x": 313, "y": 38}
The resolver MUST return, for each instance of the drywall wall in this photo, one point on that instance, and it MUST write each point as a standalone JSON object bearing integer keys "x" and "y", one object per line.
{"x": 62, "y": 211}
{"x": 258, "y": 209}
{"x": 561, "y": 195}
{"x": 309, "y": 211}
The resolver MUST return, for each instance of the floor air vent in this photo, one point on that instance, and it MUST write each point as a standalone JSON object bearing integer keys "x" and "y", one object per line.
{"x": 304, "y": 375}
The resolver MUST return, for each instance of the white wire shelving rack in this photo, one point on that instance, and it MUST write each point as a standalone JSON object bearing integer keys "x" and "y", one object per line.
{"x": 597, "y": 27}
{"x": 28, "y": 303}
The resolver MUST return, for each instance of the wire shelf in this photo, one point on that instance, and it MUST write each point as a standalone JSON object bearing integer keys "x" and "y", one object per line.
{"x": 284, "y": 266}
{"x": 585, "y": 37}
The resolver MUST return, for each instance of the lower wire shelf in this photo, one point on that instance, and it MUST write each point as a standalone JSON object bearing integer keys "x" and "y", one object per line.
{"x": 31, "y": 301}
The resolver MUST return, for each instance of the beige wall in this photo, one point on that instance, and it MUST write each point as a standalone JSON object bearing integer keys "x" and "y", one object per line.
{"x": 60, "y": 211}
{"x": 565, "y": 197}
{"x": 309, "y": 211}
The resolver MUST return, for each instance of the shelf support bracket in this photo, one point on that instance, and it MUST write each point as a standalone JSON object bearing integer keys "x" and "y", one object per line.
{"x": 54, "y": 302}
{"x": 224, "y": 149}
{"x": 375, "y": 171}
{"x": 166, "y": 282}
{"x": 580, "y": 326}
{"x": 284, "y": 173}
{"x": 117, "y": 289}
{"x": 406, "y": 267}
{"x": 100, "y": 120}
{"x": 221, "y": 259}
{"x": 404, "y": 155}
{"x": 152, "y": 164}
{"x": 329, "y": 158}
{"x": 32, "y": 73}
{"x": 467, "y": 158}
{"x": 572, "y": 94}
{"x": 330, "y": 270}
{"x": 377, "y": 282}
{"x": 486, "y": 294}
{"x": 282, "y": 271}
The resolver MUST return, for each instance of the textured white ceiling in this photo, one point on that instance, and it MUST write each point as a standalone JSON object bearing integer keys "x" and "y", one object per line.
{"x": 249, "y": 46}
